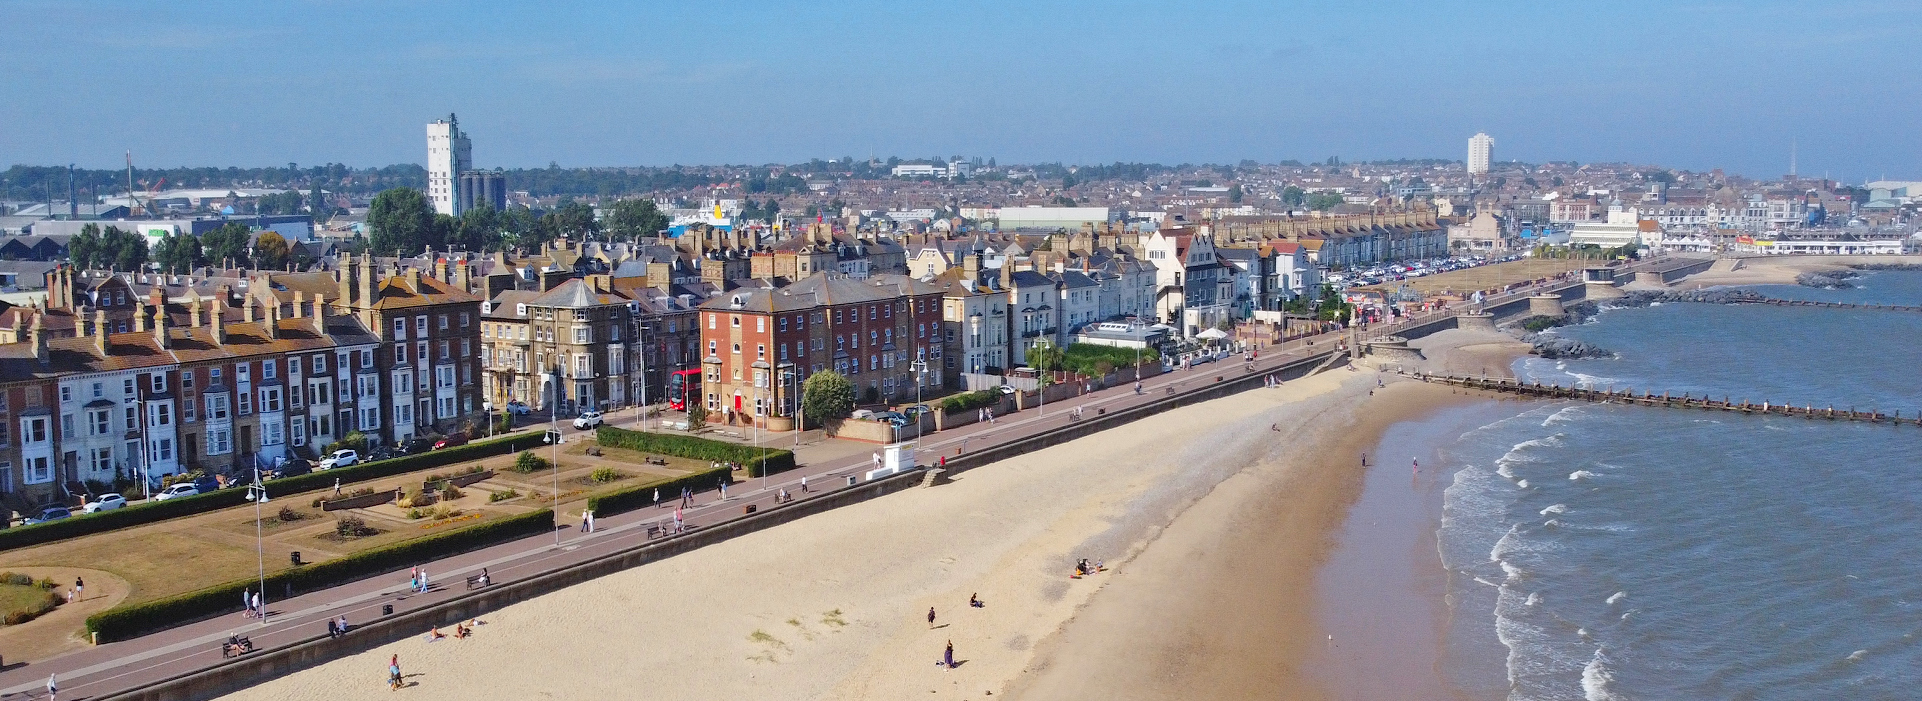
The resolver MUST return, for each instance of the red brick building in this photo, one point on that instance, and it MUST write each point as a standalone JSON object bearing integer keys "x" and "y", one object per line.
{"x": 759, "y": 344}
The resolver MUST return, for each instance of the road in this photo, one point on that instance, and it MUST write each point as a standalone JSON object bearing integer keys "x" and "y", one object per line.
{"x": 115, "y": 667}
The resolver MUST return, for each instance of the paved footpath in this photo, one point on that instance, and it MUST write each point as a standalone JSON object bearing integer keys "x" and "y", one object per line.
{"x": 115, "y": 667}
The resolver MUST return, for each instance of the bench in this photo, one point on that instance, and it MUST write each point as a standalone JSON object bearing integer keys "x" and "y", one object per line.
{"x": 657, "y": 461}
{"x": 477, "y": 581}
{"x": 594, "y": 451}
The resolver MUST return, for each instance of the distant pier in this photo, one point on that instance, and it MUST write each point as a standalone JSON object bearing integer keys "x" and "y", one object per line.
{"x": 1667, "y": 399}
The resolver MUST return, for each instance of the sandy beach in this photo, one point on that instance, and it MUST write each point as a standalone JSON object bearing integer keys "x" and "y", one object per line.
{"x": 1212, "y": 526}
{"x": 1781, "y": 270}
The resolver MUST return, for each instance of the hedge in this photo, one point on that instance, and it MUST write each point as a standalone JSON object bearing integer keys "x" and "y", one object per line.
{"x": 127, "y": 621}
{"x": 775, "y": 460}
{"x": 632, "y": 498}
{"x": 137, "y": 514}
{"x": 971, "y": 400}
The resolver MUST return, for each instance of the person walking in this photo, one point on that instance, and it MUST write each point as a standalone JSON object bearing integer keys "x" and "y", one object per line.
{"x": 804, "y": 484}
{"x": 336, "y": 487}
{"x": 259, "y": 611}
{"x": 53, "y": 686}
{"x": 584, "y": 520}
{"x": 947, "y": 656}
{"x": 657, "y": 496}
{"x": 723, "y": 489}
{"x": 393, "y": 672}
{"x": 79, "y": 588}
{"x": 677, "y": 520}
{"x": 930, "y": 616}
{"x": 590, "y": 521}
{"x": 423, "y": 581}
{"x": 247, "y": 602}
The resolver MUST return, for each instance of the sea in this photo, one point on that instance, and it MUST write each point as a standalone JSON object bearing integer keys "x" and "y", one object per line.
{"x": 1596, "y": 551}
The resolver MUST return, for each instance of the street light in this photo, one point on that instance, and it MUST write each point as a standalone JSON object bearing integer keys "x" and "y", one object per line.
{"x": 640, "y": 421}
{"x": 257, "y": 493}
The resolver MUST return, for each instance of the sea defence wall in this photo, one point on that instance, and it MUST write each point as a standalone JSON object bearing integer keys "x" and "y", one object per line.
{"x": 258, "y": 667}
{"x": 1808, "y": 410}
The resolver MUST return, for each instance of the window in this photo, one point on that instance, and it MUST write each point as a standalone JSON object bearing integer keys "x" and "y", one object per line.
{"x": 66, "y": 426}
{"x": 760, "y": 324}
{"x": 400, "y": 329}
{"x": 158, "y": 379}
{"x": 404, "y": 413}
{"x": 400, "y": 353}
{"x": 99, "y": 390}
{"x": 163, "y": 449}
{"x": 126, "y": 387}
{"x": 217, "y": 407}
{"x": 187, "y": 379}
{"x": 246, "y": 402}
{"x": 39, "y": 470}
{"x": 270, "y": 399}
{"x": 269, "y": 369}
{"x": 369, "y": 385}
{"x": 159, "y": 414}
{"x": 299, "y": 430}
{"x": 581, "y": 365}
{"x": 443, "y": 322}
{"x": 466, "y": 349}
{"x": 99, "y": 421}
{"x": 783, "y": 324}
{"x": 446, "y": 376}
{"x": 463, "y": 320}
{"x": 34, "y": 430}
{"x": 420, "y": 325}
{"x": 734, "y": 320}
{"x": 366, "y": 359}
{"x": 242, "y": 372}
{"x": 187, "y": 407}
{"x": 760, "y": 351}
{"x": 272, "y": 433}
{"x": 580, "y": 334}
{"x": 220, "y": 440}
{"x": 102, "y": 459}
{"x": 215, "y": 373}
{"x": 369, "y": 418}
{"x": 446, "y": 406}
{"x": 712, "y": 319}
{"x": 443, "y": 351}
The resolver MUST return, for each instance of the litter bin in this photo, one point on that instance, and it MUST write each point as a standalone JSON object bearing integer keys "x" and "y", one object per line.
{"x": 386, "y": 609}
{"x": 747, "y": 509}
{"x": 851, "y": 480}
{"x": 294, "y": 557}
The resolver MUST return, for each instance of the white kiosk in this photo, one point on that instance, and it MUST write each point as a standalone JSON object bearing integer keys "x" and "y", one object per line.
{"x": 896, "y": 458}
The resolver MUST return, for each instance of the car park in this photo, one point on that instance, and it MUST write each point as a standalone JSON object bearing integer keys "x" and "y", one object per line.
{"x": 339, "y": 458}
{"x": 104, "y": 502}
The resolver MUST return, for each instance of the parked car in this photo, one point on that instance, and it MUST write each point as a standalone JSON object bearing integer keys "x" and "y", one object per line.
{"x": 339, "y": 458}
{"x": 917, "y": 410}
{"x": 1007, "y": 389}
{"x": 51, "y": 513}
{"x": 294, "y": 467}
{"x": 178, "y": 489}
{"x": 863, "y": 414}
{"x": 892, "y": 417}
{"x": 587, "y": 419}
{"x": 451, "y": 440}
{"x": 518, "y": 409}
{"x": 104, "y": 502}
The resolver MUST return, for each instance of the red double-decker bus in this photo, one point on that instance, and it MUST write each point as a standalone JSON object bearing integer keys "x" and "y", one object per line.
{"x": 680, "y": 384}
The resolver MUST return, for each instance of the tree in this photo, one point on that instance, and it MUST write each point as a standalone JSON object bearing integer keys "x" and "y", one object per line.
{"x": 1293, "y": 196}
{"x": 271, "y": 251}
{"x": 123, "y": 250}
{"x": 634, "y": 219}
{"x": 84, "y": 247}
{"x": 1234, "y": 193}
{"x": 178, "y": 253}
{"x": 478, "y": 229}
{"x": 402, "y": 220}
{"x": 318, "y": 206}
{"x": 572, "y": 219}
{"x": 696, "y": 416}
{"x": 827, "y": 396}
{"x": 1046, "y": 356}
{"x": 227, "y": 245}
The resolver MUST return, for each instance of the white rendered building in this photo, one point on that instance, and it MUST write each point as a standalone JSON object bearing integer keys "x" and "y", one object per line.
{"x": 1481, "y": 152}
{"x": 448, "y": 155}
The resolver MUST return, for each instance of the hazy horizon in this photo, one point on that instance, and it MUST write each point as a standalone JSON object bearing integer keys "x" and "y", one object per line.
{"x": 1693, "y": 86}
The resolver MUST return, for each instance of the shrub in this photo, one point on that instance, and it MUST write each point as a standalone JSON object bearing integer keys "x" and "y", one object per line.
{"x": 84, "y": 524}
{"x": 606, "y": 475}
{"x": 416, "y": 514}
{"x": 354, "y": 440}
{"x": 126, "y": 621}
{"x": 502, "y": 496}
{"x": 827, "y": 396}
{"x": 288, "y": 514}
{"x": 1090, "y": 359}
{"x": 1543, "y": 323}
{"x": 16, "y": 579}
{"x": 528, "y": 462}
{"x": 971, "y": 400}
{"x": 696, "y": 417}
{"x": 632, "y": 498}
{"x": 776, "y": 460}
{"x": 352, "y": 527}
{"x": 451, "y": 492}
{"x": 316, "y": 502}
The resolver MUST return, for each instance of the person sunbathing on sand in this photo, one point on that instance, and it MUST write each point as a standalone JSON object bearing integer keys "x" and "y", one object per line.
{"x": 435, "y": 634}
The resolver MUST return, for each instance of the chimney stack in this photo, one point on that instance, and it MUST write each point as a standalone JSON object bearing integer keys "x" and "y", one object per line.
{"x": 247, "y": 310}
{"x": 270, "y": 322}
{"x": 219, "y": 322}
{"x": 193, "y": 313}
{"x": 320, "y": 314}
{"x": 99, "y": 330}
{"x": 367, "y": 283}
{"x": 39, "y": 338}
{"x": 160, "y": 336}
{"x": 300, "y": 304}
{"x": 413, "y": 280}
{"x": 140, "y": 318}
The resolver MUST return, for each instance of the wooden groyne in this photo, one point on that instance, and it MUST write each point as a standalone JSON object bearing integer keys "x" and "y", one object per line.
{"x": 1831, "y": 305}
{"x": 1666, "y": 399}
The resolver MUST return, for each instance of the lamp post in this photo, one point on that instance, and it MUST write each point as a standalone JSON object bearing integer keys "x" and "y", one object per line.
{"x": 640, "y": 421}
{"x": 258, "y": 495}
{"x": 554, "y": 416}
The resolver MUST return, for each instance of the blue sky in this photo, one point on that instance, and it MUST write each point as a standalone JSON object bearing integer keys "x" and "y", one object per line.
{"x": 1685, "y": 84}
